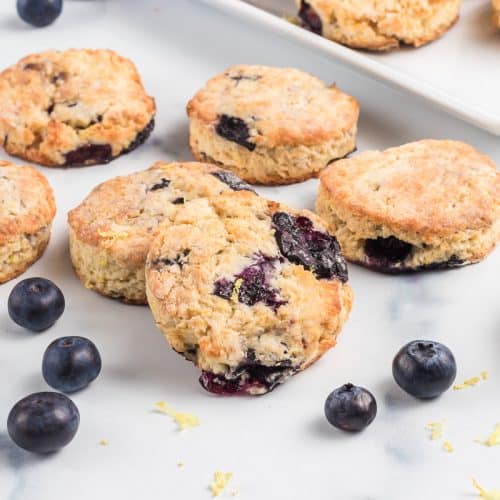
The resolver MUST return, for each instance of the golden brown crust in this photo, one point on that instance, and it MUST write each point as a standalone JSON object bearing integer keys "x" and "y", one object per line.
{"x": 111, "y": 230}
{"x": 54, "y": 103}
{"x": 381, "y": 25}
{"x": 215, "y": 239}
{"x": 496, "y": 12}
{"x": 430, "y": 187}
{"x": 28, "y": 202}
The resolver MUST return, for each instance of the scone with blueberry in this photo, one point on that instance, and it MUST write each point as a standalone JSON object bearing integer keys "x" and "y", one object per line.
{"x": 379, "y": 24}
{"x": 249, "y": 290}
{"x": 110, "y": 231}
{"x": 425, "y": 205}
{"x": 27, "y": 208}
{"x": 271, "y": 125}
{"x": 74, "y": 107}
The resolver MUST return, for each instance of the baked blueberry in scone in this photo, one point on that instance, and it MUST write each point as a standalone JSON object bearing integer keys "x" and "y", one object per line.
{"x": 27, "y": 209}
{"x": 271, "y": 125}
{"x": 72, "y": 108}
{"x": 425, "y": 205}
{"x": 110, "y": 231}
{"x": 249, "y": 290}
{"x": 379, "y": 24}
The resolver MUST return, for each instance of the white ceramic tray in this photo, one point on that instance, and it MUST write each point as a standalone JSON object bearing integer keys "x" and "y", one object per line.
{"x": 460, "y": 73}
{"x": 278, "y": 446}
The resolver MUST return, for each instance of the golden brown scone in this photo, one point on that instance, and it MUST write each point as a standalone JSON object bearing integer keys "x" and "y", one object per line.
{"x": 76, "y": 107}
{"x": 27, "y": 208}
{"x": 379, "y": 24}
{"x": 248, "y": 289}
{"x": 425, "y": 205}
{"x": 496, "y": 13}
{"x": 110, "y": 231}
{"x": 271, "y": 125}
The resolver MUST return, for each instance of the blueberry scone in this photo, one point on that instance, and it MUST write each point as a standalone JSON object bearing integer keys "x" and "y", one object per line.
{"x": 110, "y": 231}
{"x": 27, "y": 208}
{"x": 496, "y": 13}
{"x": 379, "y": 24}
{"x": 72, "y": 108}
{"x": 271, "y": 125}
{"x": 425, "y": 205}
{"x": 249, "y": 290}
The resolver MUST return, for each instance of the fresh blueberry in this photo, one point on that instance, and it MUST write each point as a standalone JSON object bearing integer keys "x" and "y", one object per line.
{"x": 424, "y": 369}
{"x": 350, "y": 408}
{"x": 302, "y": 244}
{"x": 43, "y": 422}
{"x": 71, "y": 363}
{"x": 39, "y": 13}
{"x": 36, "y": 304}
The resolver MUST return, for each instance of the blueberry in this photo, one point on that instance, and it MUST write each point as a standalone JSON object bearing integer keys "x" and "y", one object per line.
{"x": 71, "y": 363}
{"x": 301, "y": 244}
{"x": 36, "y": 304}
{"x": 89, "y": 154}
{"x": 164, "y": 183}
{"x": 39, "y": 13}
{"x": 43, "y": 422}
{"x": 386, "y": 252}
{"x": 424, "y": 369}
{"x": 235, "y": 130}
{"x": 310, "y": 18}
{"x": 232, "y": 180}
{"x": 350, "y": 408}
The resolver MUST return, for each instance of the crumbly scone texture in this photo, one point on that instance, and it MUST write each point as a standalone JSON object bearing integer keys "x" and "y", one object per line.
{"x": 210, "y": 241}
{"x": 384, "y": 24}
{"x": 27, "y": 208}
{"x": 73, "y": 107}
{"x": 111, "y": 230}
{"x": 496, "y": 13}
{"x": 441, "y": 197}
{"x": 290, "y": 123}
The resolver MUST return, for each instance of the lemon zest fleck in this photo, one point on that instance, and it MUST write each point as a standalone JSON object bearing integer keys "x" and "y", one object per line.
{"x": 493, "y": 439}
{"x": 448, "y": 447}
{"x": 436, "y": 429}
{"x": 470, "y": 382}
{"x": 183, "y": 420}
{"x": 236, "y": 290}
{"x": 234, "y": 492}
{"x": 112, "y": 236}
{"x": 180, "y": 464}
{"x": 219, "y": 482}
{"x": 487, "y": 495}
{"x": 104, "y": 442}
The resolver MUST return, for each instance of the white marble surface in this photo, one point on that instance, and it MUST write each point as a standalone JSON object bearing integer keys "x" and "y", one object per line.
{"x": 279, "y": 446}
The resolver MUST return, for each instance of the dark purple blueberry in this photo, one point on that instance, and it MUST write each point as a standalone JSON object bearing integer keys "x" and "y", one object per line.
{"x": 424, "y": 368}
{"x": 233, "y": 181}
{"x": 43, "y": 422}
{"x": 164, "y": 183}
{"x": 89, "y": 154}
{"x": 178, "y": 201}
{"x": 252, "y": 378}
{"x": 71, "y": 363}
{"x": 179, "y": 260}
{"x": 39, "y": 13}
{"x": 239, "y": 78}
{"x": 310, "y": 18}
{"x": 235, "y": 130}
{"x": 387, "y": 252}
{"x": 36, "y": 304}
{"x": 253, "y": 284}
{"x": 350, "y": 408}
{"x": 301, "y": 244}
{"x": 140, "y": 138}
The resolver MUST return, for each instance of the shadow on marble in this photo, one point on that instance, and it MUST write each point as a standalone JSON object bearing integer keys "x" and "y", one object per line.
{"x": 396, "y": 399}
{"x": 322, "y": 429}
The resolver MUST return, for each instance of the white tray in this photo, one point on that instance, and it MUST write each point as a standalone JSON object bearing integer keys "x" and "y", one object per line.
{"x": 278, "y": 446}
{"x": 460, "y": 73}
